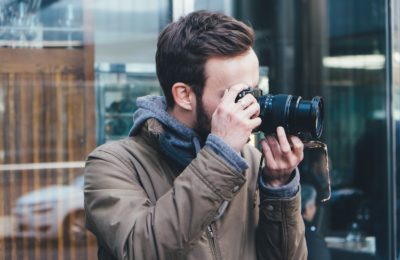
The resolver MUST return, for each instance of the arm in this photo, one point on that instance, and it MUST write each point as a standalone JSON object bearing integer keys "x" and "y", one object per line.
{"x": 129, "y": 226}
{"x": 280, "y": 232}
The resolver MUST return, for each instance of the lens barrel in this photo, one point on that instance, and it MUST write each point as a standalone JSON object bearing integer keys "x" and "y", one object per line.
{"x": 296, "y": 115}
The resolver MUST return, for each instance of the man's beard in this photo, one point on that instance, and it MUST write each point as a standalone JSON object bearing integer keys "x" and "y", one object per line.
{"x": 203, "y": 123}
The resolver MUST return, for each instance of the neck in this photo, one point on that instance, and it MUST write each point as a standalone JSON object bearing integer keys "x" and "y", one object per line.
{"x": 183, "y": 116}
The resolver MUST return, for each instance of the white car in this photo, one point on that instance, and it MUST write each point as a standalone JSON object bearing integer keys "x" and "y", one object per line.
{"x": 54, "y": 212}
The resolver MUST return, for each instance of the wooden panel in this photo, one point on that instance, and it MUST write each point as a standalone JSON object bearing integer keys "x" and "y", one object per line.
{"x": 42, "y": 61}
{"x": 46, "y": 120}
{"x": 48, "y": 115}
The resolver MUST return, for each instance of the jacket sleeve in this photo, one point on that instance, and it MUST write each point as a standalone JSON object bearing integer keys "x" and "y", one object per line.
{"x": 280, "y": 232}
{"x": 129, "y": 226}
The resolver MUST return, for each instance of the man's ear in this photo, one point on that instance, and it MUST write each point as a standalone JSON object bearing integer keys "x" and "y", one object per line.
{"x": 183, "y": 95}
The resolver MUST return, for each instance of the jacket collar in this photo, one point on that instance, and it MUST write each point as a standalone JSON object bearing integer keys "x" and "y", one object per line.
{"x": 180, "y": 151}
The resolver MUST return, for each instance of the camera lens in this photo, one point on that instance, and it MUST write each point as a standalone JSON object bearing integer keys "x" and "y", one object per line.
{"x": 296, "y": 115}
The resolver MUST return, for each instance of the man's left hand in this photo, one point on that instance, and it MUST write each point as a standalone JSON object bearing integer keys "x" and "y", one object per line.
{"x": 282, "y": 156}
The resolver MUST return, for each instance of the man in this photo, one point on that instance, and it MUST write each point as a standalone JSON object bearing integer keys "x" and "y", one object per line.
{"x": 316, "y": 245}
{"x": 184, "y": 184}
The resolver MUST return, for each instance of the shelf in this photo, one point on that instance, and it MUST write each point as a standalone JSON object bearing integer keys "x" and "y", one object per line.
{"x": 44, "y": 29}
{"x": 41, "y": 44}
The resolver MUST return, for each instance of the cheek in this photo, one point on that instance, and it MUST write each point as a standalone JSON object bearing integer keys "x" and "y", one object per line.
{"x": 211, "y": 100}
{"x": 211, "y": 106}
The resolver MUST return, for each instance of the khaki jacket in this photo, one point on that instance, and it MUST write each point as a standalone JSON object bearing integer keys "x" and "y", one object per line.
{"x": 140, "y": 206}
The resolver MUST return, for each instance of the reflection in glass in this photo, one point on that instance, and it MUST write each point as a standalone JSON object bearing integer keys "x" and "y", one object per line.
{"x": 316, "y": 246}
{"x": 48, "y": 108}
{"x": 118, "y": 87}
{"x": 53, "y": 211}
{"x": 318, "y": 174}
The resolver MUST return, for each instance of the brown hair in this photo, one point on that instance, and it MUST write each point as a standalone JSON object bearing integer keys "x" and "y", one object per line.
{"x": 185, "y": 45}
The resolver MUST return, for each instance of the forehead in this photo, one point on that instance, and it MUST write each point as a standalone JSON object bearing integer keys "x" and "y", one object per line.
{"x": 224, "y": 72}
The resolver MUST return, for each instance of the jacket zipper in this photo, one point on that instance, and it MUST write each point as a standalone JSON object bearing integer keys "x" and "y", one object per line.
{"x": 212, "y": 241}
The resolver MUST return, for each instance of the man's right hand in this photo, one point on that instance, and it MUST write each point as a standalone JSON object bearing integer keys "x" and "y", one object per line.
{"x": 234, "y": 122}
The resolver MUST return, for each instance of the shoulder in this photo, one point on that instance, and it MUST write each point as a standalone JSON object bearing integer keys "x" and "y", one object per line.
{"x": 126, "y": 153}
{"x": 134, "y": 150}
{"x": 113, "y": 163}
{"x": 109, "y": 150}
{"x": 127, "y": 147}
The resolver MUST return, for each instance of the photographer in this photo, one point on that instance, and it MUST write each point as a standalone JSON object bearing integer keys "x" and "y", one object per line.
{"x": 185, "y": 185}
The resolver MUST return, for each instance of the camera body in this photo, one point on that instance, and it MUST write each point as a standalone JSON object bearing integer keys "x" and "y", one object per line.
{"x": 297, "y": 116}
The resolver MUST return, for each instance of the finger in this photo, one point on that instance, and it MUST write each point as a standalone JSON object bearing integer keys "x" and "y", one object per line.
{"x": 251, "y": 111}
{"x": 246, "y": 101}
{"x": 298, "y": 146}
{"x": 255, "y": 122}
{"x": 274, "y": 145}
{"x": 283, "y": 141}
{"x": 269, "y": 157}
{"x": 232, "y": 93}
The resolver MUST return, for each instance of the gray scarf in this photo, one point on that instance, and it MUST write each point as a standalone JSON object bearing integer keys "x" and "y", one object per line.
{"x": 178, "y": 142}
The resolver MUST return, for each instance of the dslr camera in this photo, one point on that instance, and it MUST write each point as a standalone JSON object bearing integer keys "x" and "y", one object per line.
{"x": 297, "y": 116}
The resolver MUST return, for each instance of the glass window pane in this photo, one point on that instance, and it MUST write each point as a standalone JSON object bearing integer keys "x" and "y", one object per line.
{"x": 71, "y": 71}
{"x": 69, "y": 75}
{"x": 356, "y": 130}
{"x": 395, "y": 29}
{"x": 336, "y": 49}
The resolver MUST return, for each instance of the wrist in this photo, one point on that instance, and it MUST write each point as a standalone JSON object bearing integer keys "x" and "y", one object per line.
{"x": 286, "y": 191}
{"x": 276, "y": 182}
{"x": 230, "y": 155}
{"x": 227, "y": 142}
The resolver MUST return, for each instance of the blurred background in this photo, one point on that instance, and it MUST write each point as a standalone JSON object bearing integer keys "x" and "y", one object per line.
{"x": 70, "y": 72}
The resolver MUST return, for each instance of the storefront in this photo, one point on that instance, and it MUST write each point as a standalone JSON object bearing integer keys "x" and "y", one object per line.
{"x": 70, "y": 72}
